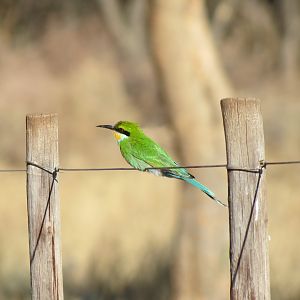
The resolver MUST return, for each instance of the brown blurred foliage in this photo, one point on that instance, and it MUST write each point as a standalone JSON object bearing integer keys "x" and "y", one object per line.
{"x": 165, "y": 64}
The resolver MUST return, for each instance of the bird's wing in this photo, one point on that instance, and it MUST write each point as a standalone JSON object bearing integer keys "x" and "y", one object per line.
{"x": 152, "y": 155}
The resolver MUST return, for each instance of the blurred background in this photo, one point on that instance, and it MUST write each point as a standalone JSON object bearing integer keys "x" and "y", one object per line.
{"x": 165, "y": 64}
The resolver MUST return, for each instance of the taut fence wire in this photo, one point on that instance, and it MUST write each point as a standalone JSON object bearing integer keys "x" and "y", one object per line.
{"x": 206, "y": 166}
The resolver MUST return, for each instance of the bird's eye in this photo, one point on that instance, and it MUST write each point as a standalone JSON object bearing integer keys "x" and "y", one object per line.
{"x": 123, "y": 131}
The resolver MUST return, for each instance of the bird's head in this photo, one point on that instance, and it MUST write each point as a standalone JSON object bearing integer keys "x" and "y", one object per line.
{"x": 123, "y": 129}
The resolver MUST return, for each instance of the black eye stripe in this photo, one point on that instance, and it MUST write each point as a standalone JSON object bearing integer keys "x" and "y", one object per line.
{"x": 123, "y": 131}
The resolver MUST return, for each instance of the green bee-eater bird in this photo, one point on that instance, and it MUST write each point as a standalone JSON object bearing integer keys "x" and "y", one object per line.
{"x": 144, "y": 154}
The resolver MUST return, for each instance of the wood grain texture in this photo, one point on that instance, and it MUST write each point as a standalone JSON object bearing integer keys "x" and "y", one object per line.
{"x": 43, "y": 215}
{"x": 244, "y": 137}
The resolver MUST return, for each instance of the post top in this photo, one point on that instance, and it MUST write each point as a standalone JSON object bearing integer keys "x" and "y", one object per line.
{"x": 239, "y": 100}
{"x": 41, "y": 115}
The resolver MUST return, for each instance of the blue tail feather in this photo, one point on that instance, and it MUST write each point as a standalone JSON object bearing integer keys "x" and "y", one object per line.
{"x": 200, "y": 186}
{"x": 203, "y": 188}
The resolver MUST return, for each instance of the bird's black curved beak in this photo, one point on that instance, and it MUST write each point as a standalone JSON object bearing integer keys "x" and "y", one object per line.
{"x": 106, "y": 126}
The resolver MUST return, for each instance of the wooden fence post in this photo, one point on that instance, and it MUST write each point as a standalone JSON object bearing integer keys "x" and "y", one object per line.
{"x": 244, "y": 137}
{"x": 43, "y": 207}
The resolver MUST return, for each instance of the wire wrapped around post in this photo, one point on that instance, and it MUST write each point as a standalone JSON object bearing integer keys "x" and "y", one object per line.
{"x": 43, "y": 207}
{"x": 249, "y": 260}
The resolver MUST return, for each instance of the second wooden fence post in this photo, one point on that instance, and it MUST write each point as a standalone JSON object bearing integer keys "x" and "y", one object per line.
{"x": 249, "y": 260}
{"x": 43, "y": 207}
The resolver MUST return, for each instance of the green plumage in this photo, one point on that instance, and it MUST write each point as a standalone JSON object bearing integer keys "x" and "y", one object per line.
{"x": 143, "y": 153}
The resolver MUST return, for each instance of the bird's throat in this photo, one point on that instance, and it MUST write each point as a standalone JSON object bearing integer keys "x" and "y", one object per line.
{"x": 120, "y": 137}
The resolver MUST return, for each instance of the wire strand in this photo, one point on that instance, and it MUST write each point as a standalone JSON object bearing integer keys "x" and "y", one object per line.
{"x": 291, "y": 162}
{"x": 235, "y": 271}
{"x": 206, "y": 166}
{"x": 146, "y": 169}
{"x": 54, "y": 176}
{"x": 12, "y": 170}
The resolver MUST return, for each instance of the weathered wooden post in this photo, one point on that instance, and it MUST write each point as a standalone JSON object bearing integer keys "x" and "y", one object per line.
{"x": 249, "y": 261}
{"x": 43, "y": 207}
